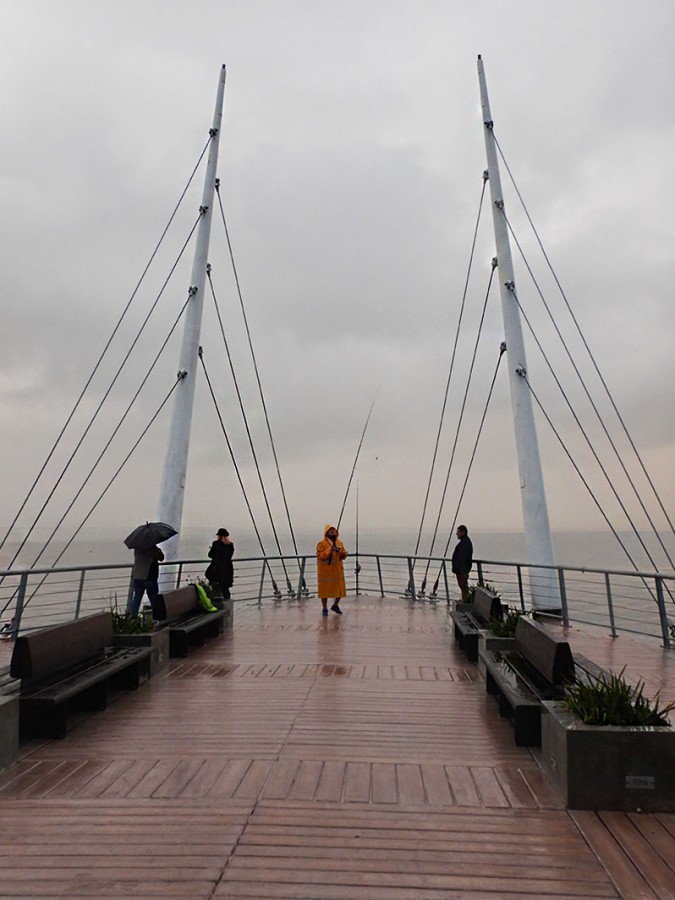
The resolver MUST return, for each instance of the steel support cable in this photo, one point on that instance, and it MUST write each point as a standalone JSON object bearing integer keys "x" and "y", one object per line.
{"x": 248, "y": 430}
{"x": 116, "y": 429}
{"x": 584, "y": 433}
{"x": 502, "y": 350}
{"x": 459, "y": 425}
{"x": 106, "y": 348}
{"x": 452, "y": 366}
{"x": 106, "y": 488}
{"x": 592, "y": 403}
{"x": 592, "y": 358}
{"x": 105, "y": 397}
{"x": 276, "y": 590}
{"x": 585, "y": 483}
{"x": 257, "y": 374}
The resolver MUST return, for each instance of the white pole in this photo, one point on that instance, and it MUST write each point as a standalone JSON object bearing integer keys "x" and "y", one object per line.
{"x": 172, "y": 491}
{"x": 544, "y": 588}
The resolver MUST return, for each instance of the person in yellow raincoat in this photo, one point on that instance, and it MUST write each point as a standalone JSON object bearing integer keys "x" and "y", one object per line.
{"x": 329, "y": 569}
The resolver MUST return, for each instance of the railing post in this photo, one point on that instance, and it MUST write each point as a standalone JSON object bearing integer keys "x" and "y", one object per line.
{"x": 301, "y": 580}
{"x": 610, "y": 606}
{"x": 262, "y": 582}
{"x": 179, "y": 576}
{"x": 20, "y": 597}
{"x": 411, "y": 573}
{"x": 445, "y": 581}
{"x": 379, "y": 574}
{"x": 563, "y": 596}
{"x": 479, "y": 570}
{"x": 665, "y": 631}
{"x": 521, "y": 592}
{"x": 357, "y": 569}
{"x": 78, "y": 605}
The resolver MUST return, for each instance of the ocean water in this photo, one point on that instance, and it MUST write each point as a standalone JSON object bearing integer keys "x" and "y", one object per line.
{"x": 599, "y": 550}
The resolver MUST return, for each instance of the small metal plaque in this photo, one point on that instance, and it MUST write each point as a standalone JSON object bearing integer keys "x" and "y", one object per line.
{"x": 640, "y": 782}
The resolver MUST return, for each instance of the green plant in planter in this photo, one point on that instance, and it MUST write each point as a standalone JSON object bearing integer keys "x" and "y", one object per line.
{"x": 507, "y": 626}
{"x": 611, "y": 700}
{"x": 125, "y": 623}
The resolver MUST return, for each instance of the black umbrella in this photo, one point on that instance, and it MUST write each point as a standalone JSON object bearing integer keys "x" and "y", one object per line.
{"x": 146, "y": 536}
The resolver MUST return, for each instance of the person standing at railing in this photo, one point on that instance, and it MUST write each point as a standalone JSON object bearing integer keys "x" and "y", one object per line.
{"x": 329, "y": 570}
{"x": 220, "y": 571}
{"x": 462, "y": 560}
{"x": 145, "y": 576}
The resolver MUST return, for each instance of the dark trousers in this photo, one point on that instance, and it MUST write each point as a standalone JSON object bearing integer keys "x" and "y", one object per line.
{"x": 463, "y": 583}
{"x": 142, "y": 586}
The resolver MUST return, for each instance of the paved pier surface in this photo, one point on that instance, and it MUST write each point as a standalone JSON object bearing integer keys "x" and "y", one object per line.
{"x": 304, "y": 757}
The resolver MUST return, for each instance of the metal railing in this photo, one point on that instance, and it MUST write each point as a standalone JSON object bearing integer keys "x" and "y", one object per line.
{"x": 639, "y": 603}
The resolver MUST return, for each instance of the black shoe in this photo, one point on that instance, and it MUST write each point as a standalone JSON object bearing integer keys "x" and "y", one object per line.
{"x": 336, "y": 609}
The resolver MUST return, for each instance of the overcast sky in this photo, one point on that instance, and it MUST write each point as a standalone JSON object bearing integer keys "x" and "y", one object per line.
{"x": 351, "y": 163}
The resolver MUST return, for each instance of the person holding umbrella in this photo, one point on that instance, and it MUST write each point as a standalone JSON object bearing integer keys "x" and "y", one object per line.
{"x": 147, "y": 557}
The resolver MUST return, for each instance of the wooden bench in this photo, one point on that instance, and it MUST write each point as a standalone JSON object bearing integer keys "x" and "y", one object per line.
{"x": 68, "y": 668}
{"x": 537, "y": 669}
{"x": 475, "y": 617}
{"x": 189, "y": 625}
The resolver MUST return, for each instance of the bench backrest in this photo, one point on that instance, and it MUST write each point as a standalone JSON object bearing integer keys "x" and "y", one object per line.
{"x": 486, "y": 606}
{"x": 550, "y": 655}
{"x": 174, "y": 604}
{"x": 59, "y": 647}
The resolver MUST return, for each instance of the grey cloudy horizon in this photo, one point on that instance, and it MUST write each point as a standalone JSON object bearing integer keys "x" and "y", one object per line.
{"x": 351, "y": 163}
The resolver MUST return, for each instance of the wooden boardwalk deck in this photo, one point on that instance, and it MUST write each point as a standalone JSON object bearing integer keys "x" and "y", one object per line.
{"x": 303, "y": 757}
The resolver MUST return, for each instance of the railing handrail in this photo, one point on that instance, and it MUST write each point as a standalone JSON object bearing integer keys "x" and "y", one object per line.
{"x": 50, "y": 570}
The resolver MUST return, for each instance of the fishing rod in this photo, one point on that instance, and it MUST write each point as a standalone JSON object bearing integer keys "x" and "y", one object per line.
{"x": 356, "y": 459}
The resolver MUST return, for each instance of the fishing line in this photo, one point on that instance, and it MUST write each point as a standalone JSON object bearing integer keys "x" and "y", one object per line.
{"x": 106, "y": 347}
{"x": 356, "y": 458}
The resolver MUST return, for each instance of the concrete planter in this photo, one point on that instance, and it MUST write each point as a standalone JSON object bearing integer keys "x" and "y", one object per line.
{"x": 158, "y": 640}
{"x": 9, "y": 730}
{"x": 488, "y": 642}
{"x": 608, "y": 767}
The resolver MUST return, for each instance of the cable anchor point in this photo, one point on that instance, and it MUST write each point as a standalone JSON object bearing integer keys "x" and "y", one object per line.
{"x": 510, "y": 286}
{"x": 486, "y": 175}
{"x": 203, "y": 210}
{"x": 489, "y": 124}
{"x": 192, "y": 290}
{"x": 522, "y": 371}
{"x": 502, "y": 348}
{"x": 213, "y": 132}
{"x": 181, "y": 375}
{"x": 495, "y": 263}
{"x": 499, "y": 204}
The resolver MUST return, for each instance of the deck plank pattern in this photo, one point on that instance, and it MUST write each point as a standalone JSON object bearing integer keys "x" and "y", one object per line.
{"x": 302, "y": 757}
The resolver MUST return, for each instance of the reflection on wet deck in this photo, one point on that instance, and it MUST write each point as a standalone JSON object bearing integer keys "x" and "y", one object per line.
{"x": 352, "y": 757}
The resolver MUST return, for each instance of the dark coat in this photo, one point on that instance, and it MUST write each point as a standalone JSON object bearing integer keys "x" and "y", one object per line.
{"x": 221, "y": 571}
{"x": 462, "y": 556}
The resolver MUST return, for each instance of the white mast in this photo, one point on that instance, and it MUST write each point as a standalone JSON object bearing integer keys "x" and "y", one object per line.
{"x": 538, "y": 544}
{"x": 172, "y": 491}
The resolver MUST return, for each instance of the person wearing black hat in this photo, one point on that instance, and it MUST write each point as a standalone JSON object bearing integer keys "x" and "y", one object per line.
{"x": 220, "y": 571}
